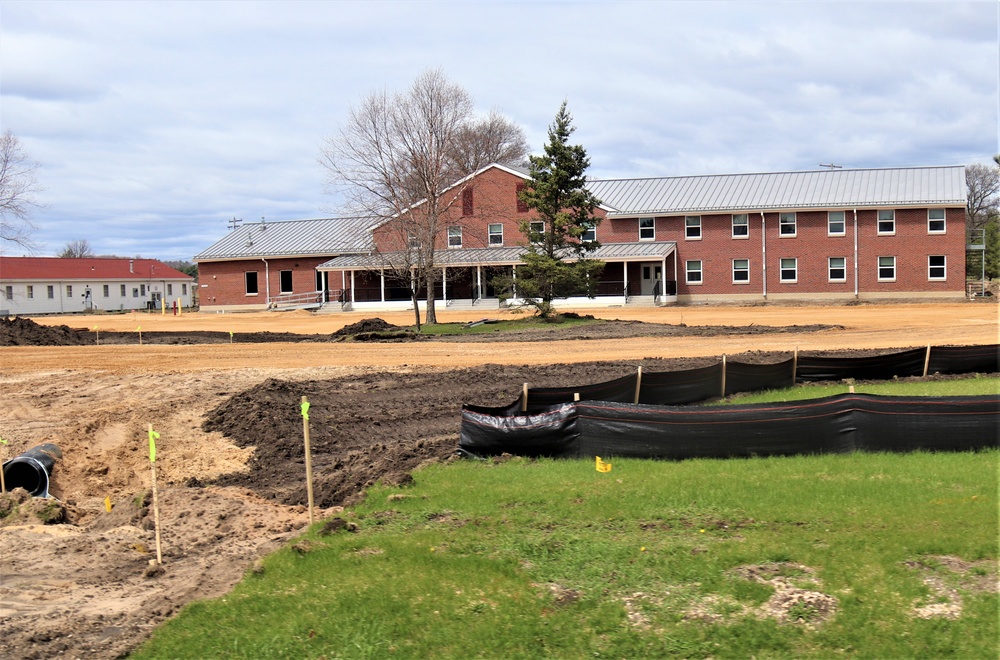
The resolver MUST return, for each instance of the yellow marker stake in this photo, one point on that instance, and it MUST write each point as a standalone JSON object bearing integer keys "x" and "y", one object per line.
{"x": 163, "y": 306}
{"x": 98, "y": 331}
{"x": 305, "y": 433}
{"x": 139, "y": 330}
{"x": 180, "y": 307}
{"x": 230, "y": 336}
{"x": 153, "y": 435}
{"x": 107, "y": 504}
{"x": 601, "y": 465}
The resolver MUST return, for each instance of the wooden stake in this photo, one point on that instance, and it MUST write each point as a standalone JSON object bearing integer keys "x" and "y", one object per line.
{"x": 927, "y": 360}
{"x": 723, "y": 375}
{"x": 156, "y": 506}
{"x": 795, "y": 365}
{"x": 576, "y": 396}
{"x": 524, "y": 398}
{"x": 309, "y": 478}
{"x": 638, "y": 384}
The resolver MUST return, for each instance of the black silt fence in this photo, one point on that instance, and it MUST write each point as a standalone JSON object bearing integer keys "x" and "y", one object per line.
{"x": 837, "y": 424}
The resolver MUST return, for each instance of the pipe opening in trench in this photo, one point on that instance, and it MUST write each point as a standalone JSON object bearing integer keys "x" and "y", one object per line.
{"x": 32, "y": 469}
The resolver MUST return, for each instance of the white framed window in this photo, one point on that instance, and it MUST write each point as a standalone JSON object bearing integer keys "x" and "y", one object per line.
{"x": 123, "y": 292}
{"x": 285, "y": 281}
{"x": 496, "y": 233}
{"x": 8, "y": 292}
{"x": 31, "y": 292}
{"x": 51, "y": 292}
{"x": 135, "y": 290}
{"x": 789, "y": 271}
{"x": 741, "y": 225}
{"x": 536, "y": 226}
{"x": 741, "y": 271}
{"x": 887, "y": 269}
{"x": 647, "y": 229}
{"x": 937, "y": 267}
{"x": 837, "y": 269}
{"x": 692, "y": 270}
{"x": 836, "y": 223}
{"x": 589, "y": 234}
{"x": 69, "y": 290}
{"x": 787, "y": 226}
{"x": 692, "y": 227}
{"x": 184, "y": 289}
{"x": 886, "y": 222}
{"x": 455, "y": 236}
{"x": 935, "y": 221}
{"x": 170, "y": 289}
{"x": 250, "y": 281}
{"x": 142, "y": 289}
{"x": 106, "y": 290}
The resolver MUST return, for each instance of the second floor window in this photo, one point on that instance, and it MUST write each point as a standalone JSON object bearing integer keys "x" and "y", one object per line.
{"x": 886, "y": 221}
{"x": 935, "y": 221}
{"x": 647, "y": 229}
{"x": 455, "y": 236}
{"x": 496, "y": 233}
{"x": 787, "y": 224}
{"x": 836, "y": 224}
{"x": 741, "y": 225}
{"x": 692, "y": 227}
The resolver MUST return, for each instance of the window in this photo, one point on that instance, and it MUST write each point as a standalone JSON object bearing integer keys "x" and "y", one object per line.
{"x": 455, "y": 236}
{"x": 741, "y": 225}
{"x": 250, "y": 277}
{"x": 184, "y": 289}
{"x": 285, "y": 281}
{"x": 496, "y": 233}
{"x": 786, "y": 224}
{"x": 887, "y": 269}
{"x": 886, "y": 221}
{"x": 31, "y": 292}
{"x": 412, "y": 241}
{"x": 589, "y": 234}
{"x": 647, "y": 229}
{"x": 537, "y": 227}
{"x": 135, "y": 292}
{"x": 107, "y": 290}
{"x": 692, "y": 227}
{"x": 8, "y": 292}
{"x": 741, "y": 271}
{"x": 789, "y": 270}
{"x": 935, "y": 221}
{"x": 170, "y": 289}
{"x": 835, "y": 223}
{"x": 142, "y": 290}
{"x": 467, "y": 206}
{"x": 936, "y": 267}
{"x": 69, "y": 290}
{"x": 123, "y": 291}
{"x": 693, "y": 270}
{"x": 521, "y": 206}
{"x": 837, "y": 269}
{"x": 51, "y": 292}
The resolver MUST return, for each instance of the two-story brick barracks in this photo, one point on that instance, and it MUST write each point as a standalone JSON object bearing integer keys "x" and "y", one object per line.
{"x": 818, "y": 235}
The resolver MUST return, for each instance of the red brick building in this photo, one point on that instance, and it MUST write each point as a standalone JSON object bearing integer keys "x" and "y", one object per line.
{"x": 829, "y": 234}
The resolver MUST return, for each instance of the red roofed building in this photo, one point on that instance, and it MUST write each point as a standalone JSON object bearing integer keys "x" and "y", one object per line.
{"x": 52, "y": 285}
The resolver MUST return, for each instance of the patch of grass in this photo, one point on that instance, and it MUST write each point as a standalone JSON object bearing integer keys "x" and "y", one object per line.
{"x": 971, "y": 386}
{"x": 548, "y": 558}
{"x": 513, "y": 325}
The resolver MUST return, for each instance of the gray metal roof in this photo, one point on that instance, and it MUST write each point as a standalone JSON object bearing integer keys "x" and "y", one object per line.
{"x": 497, "y": 256}
{"x": 293, "y": 238}
{"x": 916, "y": 186}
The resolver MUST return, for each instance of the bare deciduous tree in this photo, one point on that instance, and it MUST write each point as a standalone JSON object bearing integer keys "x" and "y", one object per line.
{"x": 983, "y": 184}
{"x": 18, "y": 187}
{"x": 77, "y": 249}
{"x": 401, "y": 158}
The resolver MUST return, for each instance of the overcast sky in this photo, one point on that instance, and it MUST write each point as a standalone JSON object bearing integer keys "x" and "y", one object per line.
{"x": 155, "y": 123}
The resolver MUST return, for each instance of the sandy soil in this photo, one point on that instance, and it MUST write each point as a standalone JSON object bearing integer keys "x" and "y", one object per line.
{"x": 85, "y": 589}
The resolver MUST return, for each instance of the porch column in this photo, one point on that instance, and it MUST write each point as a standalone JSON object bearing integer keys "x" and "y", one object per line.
{"x": 625, "y": 279}
{"x": 381, "y": 283}
{"x": 663, "y": 278}
{"x": 444, "y": 285}
{"x": 514, "y": 282}
{"x": 352, "y": 286}
{"x": 479, "y": 282}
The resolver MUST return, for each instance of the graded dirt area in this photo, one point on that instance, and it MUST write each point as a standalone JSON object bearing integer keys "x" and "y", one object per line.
{"x": 230, "y": 446}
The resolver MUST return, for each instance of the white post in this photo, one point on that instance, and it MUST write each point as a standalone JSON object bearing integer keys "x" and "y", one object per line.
{"x": 381, "y": 279}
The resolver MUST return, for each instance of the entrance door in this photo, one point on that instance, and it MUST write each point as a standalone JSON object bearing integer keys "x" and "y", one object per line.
{"x": 652, "y": 278}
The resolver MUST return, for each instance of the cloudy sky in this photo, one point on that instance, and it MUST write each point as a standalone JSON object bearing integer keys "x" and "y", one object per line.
{"x": 154, "y": 123}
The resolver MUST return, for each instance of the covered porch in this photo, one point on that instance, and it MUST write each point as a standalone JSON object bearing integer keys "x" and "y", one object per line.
{"x": 644, "y": 273}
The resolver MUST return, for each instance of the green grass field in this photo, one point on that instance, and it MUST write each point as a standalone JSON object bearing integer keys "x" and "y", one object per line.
{"x": 866, "y": 555}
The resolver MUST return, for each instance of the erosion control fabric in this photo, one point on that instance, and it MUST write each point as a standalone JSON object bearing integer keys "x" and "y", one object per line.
{"x": 837, "y": 424}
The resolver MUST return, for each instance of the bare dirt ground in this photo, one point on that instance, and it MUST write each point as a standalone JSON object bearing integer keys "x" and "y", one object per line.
{"x": 230, "y": 443}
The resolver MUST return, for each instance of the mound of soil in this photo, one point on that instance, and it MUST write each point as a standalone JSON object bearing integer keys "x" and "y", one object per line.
{"x": 20, "y": 331}
{"x": 366, "y": 326}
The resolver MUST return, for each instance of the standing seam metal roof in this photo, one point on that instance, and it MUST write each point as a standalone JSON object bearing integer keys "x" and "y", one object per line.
{"x": 783, "y": 190}
{"x": 323, "y": 236}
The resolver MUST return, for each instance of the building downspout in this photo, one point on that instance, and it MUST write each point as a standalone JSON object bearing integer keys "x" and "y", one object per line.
{"x": 763, "y": 250}
{"x": 856, "y": 292}
{"x": 267, "y": 284}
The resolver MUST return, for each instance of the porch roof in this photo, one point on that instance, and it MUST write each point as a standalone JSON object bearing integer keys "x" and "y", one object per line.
{"x": 505, "y": 256}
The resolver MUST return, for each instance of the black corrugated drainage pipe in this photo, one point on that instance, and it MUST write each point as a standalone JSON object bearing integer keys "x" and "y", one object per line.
{"x": 31, "y": 470}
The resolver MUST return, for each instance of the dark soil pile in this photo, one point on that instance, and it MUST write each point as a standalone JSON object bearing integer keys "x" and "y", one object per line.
{"x": 25, "y": 332}
{"x": 365, "y": 326}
